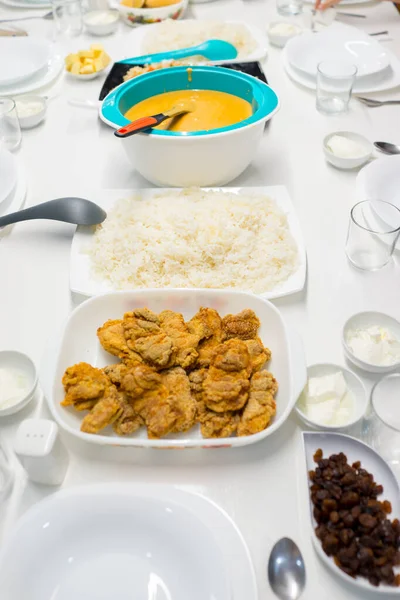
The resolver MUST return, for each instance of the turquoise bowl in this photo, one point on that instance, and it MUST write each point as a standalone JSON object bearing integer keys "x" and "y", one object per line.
{"x": 263, "y": 99}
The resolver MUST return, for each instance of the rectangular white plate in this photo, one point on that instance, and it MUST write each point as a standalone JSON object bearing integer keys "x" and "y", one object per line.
{"x": 133, "y": 46}
{"x": 82, "y": 281}
{"x": 79, "y": 342}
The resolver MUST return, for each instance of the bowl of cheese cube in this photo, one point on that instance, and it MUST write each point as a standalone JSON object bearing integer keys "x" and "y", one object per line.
{"x": 87, "y": 64}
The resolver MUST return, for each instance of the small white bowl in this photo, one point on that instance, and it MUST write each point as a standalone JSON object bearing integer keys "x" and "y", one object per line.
{"x": 280, "y": 39}
{"x": 101, "y": 28}
{"x": 145, "y": 16}
{"x": 87, "y": 77}
{"x": 22, "y": 362}
{"x": 348, "y": 163}
{"x": 27, "y": 122}
{"x": 355, "y": 386}
{"x": 364, "y": 320}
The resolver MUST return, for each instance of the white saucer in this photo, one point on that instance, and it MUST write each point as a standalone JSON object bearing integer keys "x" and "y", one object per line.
{"x": 46, "y": 76}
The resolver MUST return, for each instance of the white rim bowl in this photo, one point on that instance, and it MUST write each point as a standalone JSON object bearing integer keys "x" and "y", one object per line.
{"x": 37, "y": 118}
{"x": 363, "y": 320}
{"x": 347, "y": 163}
{"x": 355, "y": 387}
{"x": 12, "y": 358}
{"x": 101, "y": 28}
{"x": 87, "y": 77}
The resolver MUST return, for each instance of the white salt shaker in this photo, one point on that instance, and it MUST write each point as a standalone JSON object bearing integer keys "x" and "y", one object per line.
{"x": 41, "y": 451}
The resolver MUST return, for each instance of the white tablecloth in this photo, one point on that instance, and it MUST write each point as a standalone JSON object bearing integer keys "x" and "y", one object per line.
{"x": 72, "y": 153}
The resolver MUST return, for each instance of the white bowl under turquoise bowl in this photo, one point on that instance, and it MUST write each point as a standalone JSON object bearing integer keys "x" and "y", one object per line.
{"x": 145, "y": 16}
{"x": 199, "y": 158}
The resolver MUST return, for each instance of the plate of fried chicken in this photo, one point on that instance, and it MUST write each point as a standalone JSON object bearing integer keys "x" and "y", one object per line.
{"x": 175, "y": 368}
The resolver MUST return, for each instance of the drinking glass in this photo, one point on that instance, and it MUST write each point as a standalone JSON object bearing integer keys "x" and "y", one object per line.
{"x": 289, "y": 7}
{"x": 335, "y": 80}
{"x": 68, "y": 17}
{"x": 381, "y": 427}
{"x": 10, "y": 131}
{"x": 374, "y": 228}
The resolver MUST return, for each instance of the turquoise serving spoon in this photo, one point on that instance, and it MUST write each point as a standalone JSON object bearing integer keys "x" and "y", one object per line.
{"x": 214, "y": 50}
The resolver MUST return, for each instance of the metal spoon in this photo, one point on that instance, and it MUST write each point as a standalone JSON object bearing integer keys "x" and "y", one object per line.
{"x": 387, "y": 148}
{"x": 286, "y": 570}
{"x": 70, "y": 210}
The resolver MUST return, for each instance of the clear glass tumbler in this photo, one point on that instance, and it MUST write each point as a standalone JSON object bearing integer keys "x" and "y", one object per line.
{"x": 289, "y": 7}
{"x": 68, "y": 17}
{"x": 335, "y": 81}
{"x": 381, "y": 427}
{"x": 374, "y": 229}
{"x": 10, "y": 131}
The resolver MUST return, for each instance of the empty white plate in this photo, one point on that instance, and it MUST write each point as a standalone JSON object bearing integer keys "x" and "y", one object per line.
{"x": 380, "y": 180}
{"x": 338, "y": 42}
{"x": 126, "y": 542}
{"x": 8, "y": 174}
{"x": 25, "y": 57}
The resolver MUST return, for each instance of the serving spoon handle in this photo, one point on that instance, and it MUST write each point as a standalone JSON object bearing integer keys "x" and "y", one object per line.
{"x": 69, "y": 210}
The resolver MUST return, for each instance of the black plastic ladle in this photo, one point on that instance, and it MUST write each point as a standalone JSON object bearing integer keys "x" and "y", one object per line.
{"x": 70, "y": 210}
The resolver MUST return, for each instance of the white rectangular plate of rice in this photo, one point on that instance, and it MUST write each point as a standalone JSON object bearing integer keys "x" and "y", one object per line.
{"x": 251, "y": 41}
{"x": 99, "y": 263}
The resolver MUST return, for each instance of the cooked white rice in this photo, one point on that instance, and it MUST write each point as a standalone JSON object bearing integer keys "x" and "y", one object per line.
{"x": 194, "y": 238}
{"x": 173, "y": 35}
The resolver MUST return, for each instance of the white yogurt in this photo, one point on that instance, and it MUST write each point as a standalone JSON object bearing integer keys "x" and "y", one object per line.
{"x": 283, "y": 29}
{"x": 14, "y": 386}
{"x": 28, "y": 108}
{"x": 344, "y": 147}
{"x": 374, "y": 345}
{"x": 100, "y": 17}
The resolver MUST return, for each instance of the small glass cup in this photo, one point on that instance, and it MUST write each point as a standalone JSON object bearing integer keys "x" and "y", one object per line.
{"x": 10, "y": 130}
{"x": 374, "y": 229}
{"x": 68, "y": 17}
{"x": 335, "y": 81}
{"x": 289, "y": 8}
{"x": 381, "y": 426}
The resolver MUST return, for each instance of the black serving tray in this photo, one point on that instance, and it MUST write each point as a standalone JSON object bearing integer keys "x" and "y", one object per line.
{"x": 116, "y": 75}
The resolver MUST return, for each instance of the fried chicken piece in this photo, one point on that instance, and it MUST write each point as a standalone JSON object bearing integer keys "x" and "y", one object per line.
{"x": 116, "y": 372}
{"x": 111, "y": 337}
{"x": 183, "y": 404}
{"x": 105, "y": 412}
{"x": 150, "y": 399}
{"x": 261, "y": 406}
{"x": 207, "y": 324}
{"x": 243, "y": 325}
{"x": 196, "y": 380}
{"x": 217, "y": 425}
{"x": 226, "y": 387}
{"x": 145, "y": 337}
{"x": 84, "y": 385}
{"x": 259, "y": 354}
{"x": 184, "y": 342}
{"x": 129, "y": 421}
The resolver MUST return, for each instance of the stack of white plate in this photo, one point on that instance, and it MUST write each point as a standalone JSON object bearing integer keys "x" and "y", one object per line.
{"x": 27, "y": 3}
{"x": 12, "y": 183}
{"x": 27, "y": 64}
{"x": 378, "y": 68}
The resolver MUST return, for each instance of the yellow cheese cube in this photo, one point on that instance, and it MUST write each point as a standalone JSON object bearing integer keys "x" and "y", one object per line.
{"x": 87, "y": 69}
{"x": 88, "y": 61}
{"x": 86, "y": 54}
{"x": 75, "y": 68}
{"x": 70, "y": 59}
{"x": 97, "y": 50}
{"x": 98, "y": 64}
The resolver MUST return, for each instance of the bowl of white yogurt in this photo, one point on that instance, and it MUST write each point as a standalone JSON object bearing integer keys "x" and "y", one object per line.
{"x": 333, "y": 398}
{"x": 101, "y": 22}
{"x": 31, "y": 110}
{"x": 346, "y": 149}
{"x": 279, "y": 33}
{"x": 18, "y": 381}
{"x": 371, "y": 341}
